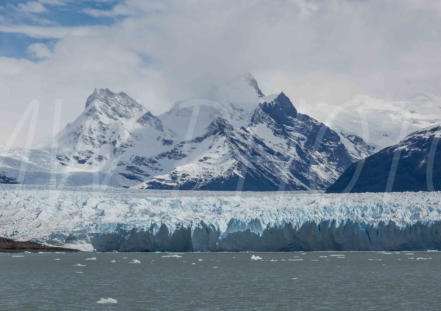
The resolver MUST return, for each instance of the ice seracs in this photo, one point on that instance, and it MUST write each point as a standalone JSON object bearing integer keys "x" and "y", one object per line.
{"x": 129, "y": 220}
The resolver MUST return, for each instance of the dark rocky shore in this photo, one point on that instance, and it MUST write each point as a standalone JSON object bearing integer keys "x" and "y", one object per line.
{"x": 11, "y": 246}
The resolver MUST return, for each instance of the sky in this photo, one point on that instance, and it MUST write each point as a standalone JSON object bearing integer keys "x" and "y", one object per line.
{"x": 53, "y": 53}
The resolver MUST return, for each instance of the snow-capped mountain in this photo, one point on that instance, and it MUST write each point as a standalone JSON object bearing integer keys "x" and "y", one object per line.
{"x": 380, "y": 122}
{"x": 243, "y": 140}
{"x": 411, "y": 165}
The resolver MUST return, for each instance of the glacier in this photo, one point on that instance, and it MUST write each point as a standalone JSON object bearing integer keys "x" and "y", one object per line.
{"x": 112, "y": 219}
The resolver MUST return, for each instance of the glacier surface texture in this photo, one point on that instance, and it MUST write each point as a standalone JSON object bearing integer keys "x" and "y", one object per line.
{"x": 108, "y": 219}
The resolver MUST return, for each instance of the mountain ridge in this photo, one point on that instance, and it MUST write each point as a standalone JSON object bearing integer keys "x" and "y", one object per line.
{"x": 199, "y": 144}
{"x": 409, "y": 165}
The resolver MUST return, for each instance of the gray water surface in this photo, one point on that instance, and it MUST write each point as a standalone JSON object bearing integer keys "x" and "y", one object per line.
{"x": 221, "y": 281}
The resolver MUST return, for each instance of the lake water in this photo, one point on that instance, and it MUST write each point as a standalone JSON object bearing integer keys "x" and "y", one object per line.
{"x": 221, "y": 281}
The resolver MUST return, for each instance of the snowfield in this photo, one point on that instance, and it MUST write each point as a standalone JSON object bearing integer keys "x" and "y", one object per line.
{"x": 108, "y": 219}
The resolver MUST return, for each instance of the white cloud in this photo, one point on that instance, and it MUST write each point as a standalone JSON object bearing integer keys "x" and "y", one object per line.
{"x": 164, "y": 51}
{"x": 42, "y": 32}
{"x": 31, "y": 7}
{"x": 129, "y": 9}
{"x": 53, "y": 2}
{"x": 40, "y": 51}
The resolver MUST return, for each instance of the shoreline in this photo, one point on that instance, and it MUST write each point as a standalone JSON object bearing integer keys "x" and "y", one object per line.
{"x": 11, "y": 246}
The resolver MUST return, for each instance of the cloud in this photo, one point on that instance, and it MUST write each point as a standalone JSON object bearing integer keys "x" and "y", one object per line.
{"x": 163, "y": 51}
{"x": 39, "y": 51}
{"x": 128, "y": 9}
{"x": 31, "y": 7}
{"x": 46, "y": 32}
{"x": 53, "y": 2}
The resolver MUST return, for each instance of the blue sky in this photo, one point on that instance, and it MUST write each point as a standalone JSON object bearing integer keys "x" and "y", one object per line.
{"x": 64, "y": 13}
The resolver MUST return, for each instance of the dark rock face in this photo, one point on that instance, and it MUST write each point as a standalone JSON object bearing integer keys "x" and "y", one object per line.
{"x": 281, "y": 110}
{"x": 11, "y": 246}
{"x": 7, "y": 180}
{"x": 325, "y": 236}
{"x": 411, "y": 165}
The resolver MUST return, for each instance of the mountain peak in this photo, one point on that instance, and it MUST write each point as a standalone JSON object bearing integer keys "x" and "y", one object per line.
{"x": 113, "y": 105}
{"x": 103, "y": 93}
{"x": 277, "y": 106}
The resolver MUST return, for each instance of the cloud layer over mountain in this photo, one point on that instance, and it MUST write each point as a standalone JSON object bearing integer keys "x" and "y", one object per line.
{"x": 164, "y": 51}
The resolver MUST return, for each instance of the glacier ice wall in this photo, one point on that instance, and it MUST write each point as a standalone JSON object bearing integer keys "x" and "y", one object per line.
{"x": 108, "y": 219}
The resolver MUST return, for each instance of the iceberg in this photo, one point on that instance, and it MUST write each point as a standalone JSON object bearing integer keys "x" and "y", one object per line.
{"x": 110, "y": 219}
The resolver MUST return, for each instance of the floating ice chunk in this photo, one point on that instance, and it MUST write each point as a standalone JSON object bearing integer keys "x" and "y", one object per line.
{"x": 80, "y": 265}
{"x": 314, "y": 260}
{"x": 409, "y": 254}
{"x": 172, "y": 256}
{"x": 107, "y": 301}
{"x": 193, "y": 263}
{"x": 375, "y": 259}
{"x": 432, "y": 250}
{"x": 423, "y": 258}
{"x": 57, "y": 259}
{"x": 134, "y": 261}
{"x": 215, "y": 267}
{"x": 17, "y": 256}
{"x": 273, "y": 260}
{"x": 79, "y": 272}
{"x": 200, "y": 259}
{"x": 113, "y": 261}
{"x": 90, "y": 258}
{"x": 254, "y": 257}
{"x": 294, "y": 278}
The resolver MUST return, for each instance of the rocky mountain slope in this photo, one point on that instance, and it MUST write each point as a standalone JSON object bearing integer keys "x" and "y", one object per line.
{"x": 411, "y": 165}
{"x": 246, "y": 141}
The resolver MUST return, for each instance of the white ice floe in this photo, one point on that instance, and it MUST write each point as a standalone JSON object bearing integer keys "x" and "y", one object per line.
{"x": 255, "y": 257}
{"x": 80, "y": 265}
{"x": 172, "y": 256}
{"x": 90, "y": 259}
{"x": 134, "y": 261}
{"x": 107, "y": 301}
